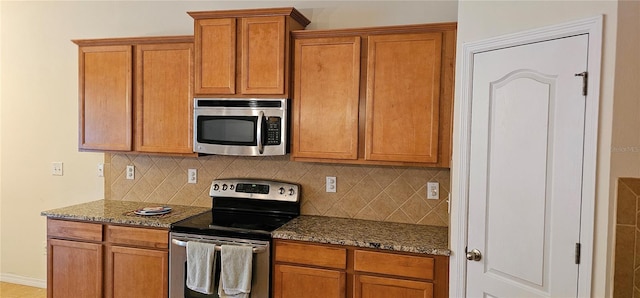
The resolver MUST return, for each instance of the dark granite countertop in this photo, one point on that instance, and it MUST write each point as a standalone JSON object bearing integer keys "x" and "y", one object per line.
{"x": 121, "y": 212}
{"x": 366, "y": 233}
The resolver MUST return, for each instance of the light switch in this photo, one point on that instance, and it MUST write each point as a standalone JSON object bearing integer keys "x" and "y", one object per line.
{"x": 100, "y": 170}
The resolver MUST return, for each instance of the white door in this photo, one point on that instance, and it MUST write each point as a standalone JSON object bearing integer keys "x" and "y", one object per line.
{"x": 526, "y": 158}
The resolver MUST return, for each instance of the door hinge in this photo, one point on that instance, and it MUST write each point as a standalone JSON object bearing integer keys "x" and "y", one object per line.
{"x": 585, "y": 80}
{"x": 577, "y": 253}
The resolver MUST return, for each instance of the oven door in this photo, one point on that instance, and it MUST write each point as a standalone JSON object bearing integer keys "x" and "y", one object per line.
{"x": 240, "y": 127}
{"x": 260, "y": 279}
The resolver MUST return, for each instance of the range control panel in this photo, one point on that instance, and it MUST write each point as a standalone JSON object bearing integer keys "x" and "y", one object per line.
{"x": 255, "y": 189}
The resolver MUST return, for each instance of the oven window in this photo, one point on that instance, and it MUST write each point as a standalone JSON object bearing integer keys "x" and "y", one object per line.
{"x": 227, "y": 130}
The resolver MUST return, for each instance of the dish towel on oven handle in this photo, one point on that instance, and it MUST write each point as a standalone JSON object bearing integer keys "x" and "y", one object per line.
{"x": 201, "y": 264}
{"x": 235, "y": 273}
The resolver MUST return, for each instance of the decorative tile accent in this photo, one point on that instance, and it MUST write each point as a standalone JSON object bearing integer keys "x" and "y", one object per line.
{"x": 381, "y": 193}
{"x": 626, "y": 279}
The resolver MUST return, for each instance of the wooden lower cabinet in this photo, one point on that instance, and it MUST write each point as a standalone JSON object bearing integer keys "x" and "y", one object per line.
{"x": 74, "y": 269}
{"x": 296, "y": 281}
{"x": 309, "y": 270}
{"x": 131, "y": 271}
{"x": 94, "y": 260}
{"x": 366, "y": 286}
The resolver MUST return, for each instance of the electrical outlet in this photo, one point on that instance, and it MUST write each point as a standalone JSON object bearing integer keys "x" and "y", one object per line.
{"x": 192, "y": 176}
{"x": 56, "y": 168}
{"x": 331, "y": 184}
{"x": 131, "y": 170}
{"x": 44, "y": 245}
{"x": 433, "y": 190}
{"x": 100, "y": 171}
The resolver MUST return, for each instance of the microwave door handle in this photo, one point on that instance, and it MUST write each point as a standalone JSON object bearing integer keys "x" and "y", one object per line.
{"x": 259, "y": 132}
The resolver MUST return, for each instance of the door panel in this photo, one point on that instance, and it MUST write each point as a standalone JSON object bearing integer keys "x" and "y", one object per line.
{"x": 403, "y": 97}
{"x": 263, "y": 47}
{"x": 74, "y": 269}
{"x": 164, "y": 98}
{"x": 326, "y": 98}
{"x": 384, "y": 287}
{"x": 526, "y": 169}
{"x": 215, "y": 51}
{"x": 294, "y": 282}
{"x": 105, "y": 98}
{"x": 135, "y": 272}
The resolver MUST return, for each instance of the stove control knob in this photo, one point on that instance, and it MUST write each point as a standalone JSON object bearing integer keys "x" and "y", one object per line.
{"x": 231, "y": 187}
{"x": 291, "y": 191}
{"x": 281, "y": 190}
{"x": 224, "y": 187}
{"x": 216, "y": 187}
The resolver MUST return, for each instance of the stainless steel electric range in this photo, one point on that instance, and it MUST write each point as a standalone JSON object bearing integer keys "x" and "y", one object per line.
{"x": 244, "y": 212}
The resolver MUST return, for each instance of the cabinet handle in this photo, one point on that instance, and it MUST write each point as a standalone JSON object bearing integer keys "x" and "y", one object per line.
{"x": 256, "y": 250}
{"x": 259, "y": 132}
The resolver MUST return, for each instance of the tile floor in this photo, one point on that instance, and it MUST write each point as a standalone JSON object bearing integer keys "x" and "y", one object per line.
{"x": 8, "y": 290}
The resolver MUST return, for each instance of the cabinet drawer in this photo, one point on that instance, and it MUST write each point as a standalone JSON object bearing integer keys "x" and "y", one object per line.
{"x": 393, "y": 264}
{"x": 74, "y": 230}
{"x": 138, "y": 237}
{"x": 310, "y": 254}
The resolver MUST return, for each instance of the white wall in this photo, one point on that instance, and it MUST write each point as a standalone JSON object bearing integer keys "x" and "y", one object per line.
{"x": 38, "y": 98}
{"x": 478, "y": 20}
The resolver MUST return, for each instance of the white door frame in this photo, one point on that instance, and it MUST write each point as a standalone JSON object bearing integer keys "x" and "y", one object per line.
{"x": 462, "y": 144}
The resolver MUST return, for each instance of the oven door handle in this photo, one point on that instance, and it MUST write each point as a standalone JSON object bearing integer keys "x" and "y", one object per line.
{"x": 256, "y": 250}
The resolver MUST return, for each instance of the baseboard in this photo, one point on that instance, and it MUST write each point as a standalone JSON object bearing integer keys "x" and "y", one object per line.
{"x": 22, "y": 280}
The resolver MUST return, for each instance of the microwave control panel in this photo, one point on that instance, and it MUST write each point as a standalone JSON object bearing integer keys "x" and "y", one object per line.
{"x": 274, "y": 129}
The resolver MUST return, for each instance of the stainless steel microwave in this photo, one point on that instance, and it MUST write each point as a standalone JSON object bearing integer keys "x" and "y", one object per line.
{"x": 239, "y": 126}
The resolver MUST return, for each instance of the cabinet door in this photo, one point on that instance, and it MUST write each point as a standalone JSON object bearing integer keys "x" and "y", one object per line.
{"x": 105, "y": 97}
{"x": 215, "y": 56}
{"x": 326, "y": 98}
{"x": 296, "y": 282}
{"x": 74, "y": 269}
{"x": 164, "y": 98}
{"x": 263, "y": 55}
{"x": 403, "y": 95}
{"x": 382, "y": 287}
{"x": 135, "y": 272}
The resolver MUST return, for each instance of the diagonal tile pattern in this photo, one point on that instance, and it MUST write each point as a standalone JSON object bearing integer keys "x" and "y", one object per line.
{"x": 393, "y": 194}
{"x": 626, "y": 279}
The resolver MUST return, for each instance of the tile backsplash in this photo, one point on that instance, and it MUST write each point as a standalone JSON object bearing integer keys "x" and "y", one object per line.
{"x": 394, "y": 194}
{"x": 626, "y": 279}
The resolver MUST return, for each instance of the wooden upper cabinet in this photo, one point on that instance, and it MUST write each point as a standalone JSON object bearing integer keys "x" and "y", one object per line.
{"x": 403, "y": 96}
{"x": 105, "y": 97}
{"x": 163, "y": 98}
{"x": 374, "y": 95}
{"x": 156, "y": 117}
{"x": 326, "y": 98}
{"x": 215, "y": 56}
{"x": 263, "y": 53}
{"x": 241, "y": 53}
